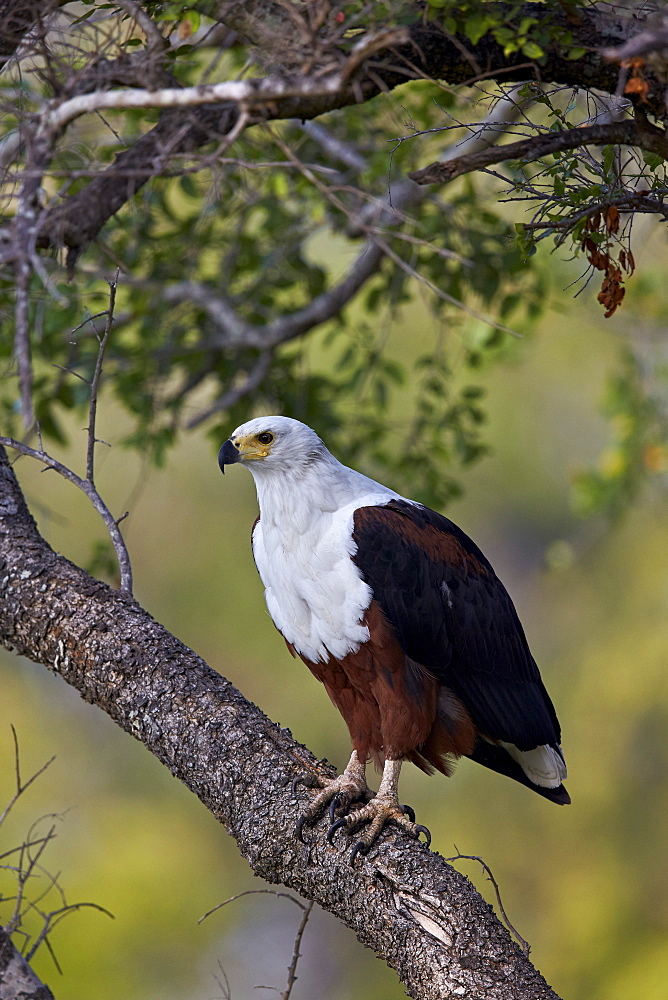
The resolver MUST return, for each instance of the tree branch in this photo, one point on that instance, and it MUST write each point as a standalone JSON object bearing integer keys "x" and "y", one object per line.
{"x": 630, "y": 133}
{"x": 88, "y": 488}
{"x": 233, "y": 331}
{"x": 652, "y": 39}
{"x": 428, "y": 52}
{"x": 418, "y": 914}
{"x": 17, "y": 17}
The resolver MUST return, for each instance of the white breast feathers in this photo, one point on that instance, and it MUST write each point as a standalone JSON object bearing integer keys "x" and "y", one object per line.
{"x": 314, "y": 591}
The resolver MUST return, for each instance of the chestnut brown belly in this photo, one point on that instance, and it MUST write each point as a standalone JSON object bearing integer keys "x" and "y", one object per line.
{"x": 394, "y": 707}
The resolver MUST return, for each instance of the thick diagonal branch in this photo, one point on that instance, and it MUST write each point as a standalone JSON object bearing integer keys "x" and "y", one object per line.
{"x": 418, "y": 914}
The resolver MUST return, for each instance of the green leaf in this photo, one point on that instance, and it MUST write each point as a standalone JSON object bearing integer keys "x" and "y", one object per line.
{"x": 532, "y": 51}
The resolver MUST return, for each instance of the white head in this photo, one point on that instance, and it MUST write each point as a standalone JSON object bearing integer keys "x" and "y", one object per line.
{"x": 272, "y": 444}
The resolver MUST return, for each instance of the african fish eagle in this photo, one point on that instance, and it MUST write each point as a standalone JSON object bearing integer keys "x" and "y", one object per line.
{"x": 404, "y": 621}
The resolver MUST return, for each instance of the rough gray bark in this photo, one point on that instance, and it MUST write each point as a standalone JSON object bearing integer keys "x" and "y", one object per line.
{"x": 17, "y": 980}
{"x": 403, "y": 901}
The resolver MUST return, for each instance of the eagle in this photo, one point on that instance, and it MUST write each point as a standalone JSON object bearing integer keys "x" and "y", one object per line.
{"x": 402, "y": 618}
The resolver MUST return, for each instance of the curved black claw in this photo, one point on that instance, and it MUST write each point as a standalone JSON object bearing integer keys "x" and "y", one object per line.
{"x": 333, "y": 829}
{"x": 427, "y": 835}
{"x": 407, "y": 811}
{"x": 361, "y": 847}
{"x": 299, "y": 829}
{"x": 333, "y": 806}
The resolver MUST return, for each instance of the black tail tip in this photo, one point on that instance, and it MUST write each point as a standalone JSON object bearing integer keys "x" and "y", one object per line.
{"x": 558, "y": 795}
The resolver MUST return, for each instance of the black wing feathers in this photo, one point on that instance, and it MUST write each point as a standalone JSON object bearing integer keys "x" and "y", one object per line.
{"x": 452, "y": 614}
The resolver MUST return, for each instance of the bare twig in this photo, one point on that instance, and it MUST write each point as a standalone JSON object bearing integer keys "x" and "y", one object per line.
{"x": 91, "y": 492}
{"x": 251, "y": 892}
{"x": 21, "y": 787}
{"x": 56, "y": 916}
{"x": 296, "y": 954}
{"x": 87, "y": 485}
{"x": 292, "y": 968}
{"x": 18, "y": 979}
{"x": 252, "y": 381}
{"x": 524, "y": 945}
{"x": 95, "y": 382}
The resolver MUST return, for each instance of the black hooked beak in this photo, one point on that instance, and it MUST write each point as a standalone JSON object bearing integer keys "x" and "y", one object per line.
{"x": 228, "y": 455}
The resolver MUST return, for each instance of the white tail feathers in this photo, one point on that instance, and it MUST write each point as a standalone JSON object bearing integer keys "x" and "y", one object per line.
{"x": 544, "y": 766}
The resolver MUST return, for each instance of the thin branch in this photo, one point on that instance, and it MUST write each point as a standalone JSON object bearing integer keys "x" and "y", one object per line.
{"x": 20, "y": 787}
{"x": 55, "y": 917}
{"x": 629, "y": 133}
{"x": 156, "y": 42}
{"x": 650, "y": 40}
{"x": 524, "y": 945}
{"x": 91, "y": 492}
{"x": 628, "y": 201}
{"x": 305, "y": 907}
{"x": 95, "y": 382}
{"x": 22, "y": 339}
{"x": 252, "y": 382}
{"x": 296, "y": 954}
{"x": 251, "y": 892}
{"x": 25, "y": 873}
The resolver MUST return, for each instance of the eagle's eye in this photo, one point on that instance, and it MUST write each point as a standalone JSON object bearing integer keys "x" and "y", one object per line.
{"x": 265, "y": 437}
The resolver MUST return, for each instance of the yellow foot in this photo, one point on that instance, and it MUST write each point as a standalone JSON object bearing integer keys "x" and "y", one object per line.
{"x": 376, "y": 809}
{"x": 377, "y": 812}
{"x": 338, "y": 794}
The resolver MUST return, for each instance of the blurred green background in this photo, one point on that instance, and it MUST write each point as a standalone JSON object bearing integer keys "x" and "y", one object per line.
{"x": 587, "y": 885}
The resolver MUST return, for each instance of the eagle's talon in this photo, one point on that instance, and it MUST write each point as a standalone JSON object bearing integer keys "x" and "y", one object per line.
{"x": 337, "y": 825}
{"x": 408, "y": 811}
{"x": 361, "y": 847}
{"x": 427, "y": 835}
{"x": 299, "y": 829}
{"x": 336, "y": 803}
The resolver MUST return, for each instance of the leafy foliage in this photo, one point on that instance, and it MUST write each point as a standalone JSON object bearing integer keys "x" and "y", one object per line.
{"x": 225, "y": 249}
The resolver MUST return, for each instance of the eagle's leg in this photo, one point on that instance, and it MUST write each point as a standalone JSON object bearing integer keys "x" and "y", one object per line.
{"x": 350, "y": 786}
{"x": 383, "y": 807}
